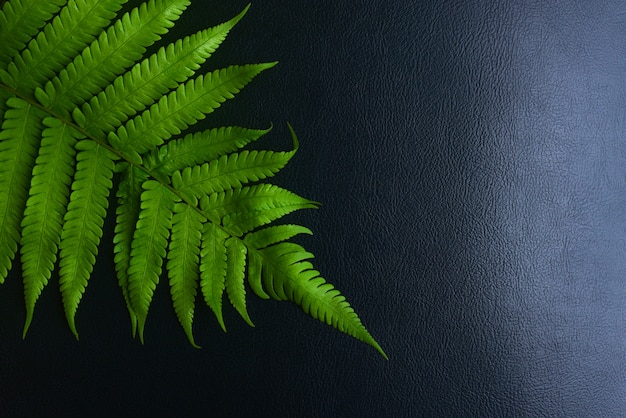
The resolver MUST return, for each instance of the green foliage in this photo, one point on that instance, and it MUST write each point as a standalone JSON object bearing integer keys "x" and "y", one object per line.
{"x": 85, "y": 113}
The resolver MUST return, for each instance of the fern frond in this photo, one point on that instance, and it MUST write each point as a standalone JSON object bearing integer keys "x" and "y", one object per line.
{"x": 244, "y": 209}
{"x": 82, "y": 228}
{"x": 260, "y": 239}
{"x": 45, "y": 208}
{"x": 80, "y": 102}
{"x": 288, "y": 275}
{"x": 19, "y": 140}
{"x": 127, "y": 211}
{"x": 114, "y": 51}
{"x": 76, "y": 25}
{"x": 213, "y": 265}
{"x": 183, "y": 260}
{"x": 273, "y": 235}
{"x": 228, "y": 172}
{"x": 189, "y": 103}
{"x": 149, "y": 247}
{"x": 20, "y": 20}
{"x": 201, "y": 147}
{"x": 150, "y": 79}
{"x": 255, "y": 268}
{"x": 235, "y": 276}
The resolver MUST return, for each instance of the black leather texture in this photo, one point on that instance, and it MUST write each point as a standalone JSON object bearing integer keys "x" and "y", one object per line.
{"x": 471, "y": 161}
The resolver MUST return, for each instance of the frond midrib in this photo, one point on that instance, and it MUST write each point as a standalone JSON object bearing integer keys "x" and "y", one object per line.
{"x": 122, "y": 157}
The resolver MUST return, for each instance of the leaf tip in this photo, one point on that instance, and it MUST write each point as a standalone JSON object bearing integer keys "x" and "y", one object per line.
{"x": 6, "y": 78}
{"x": 372, "y": 342}
{"x": 189, "y": 334}
{"x": 222, "y": 325}
{"x": 29, "y": 319}
{"x": 380, "y": 350}
{"x": 294, "y": 137}
{"x": 248, "y": 320}
{"x": 243, "y": 12}
{"x": 74, "y": 331}
{"x": 79, "y": 117}
{"x": 42, "y": 97}
{"x": 140, "y": 326}
{"x": 269, "y": 65}
{"x": 71, "y": 322}
{"x": 133, "y": 325}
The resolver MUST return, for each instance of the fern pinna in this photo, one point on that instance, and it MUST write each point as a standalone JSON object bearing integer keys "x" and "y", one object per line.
{"x": 86, "y": 113}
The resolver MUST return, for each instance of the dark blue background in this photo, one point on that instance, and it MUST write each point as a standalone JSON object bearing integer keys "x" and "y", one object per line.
{"x": 471, "y": 162}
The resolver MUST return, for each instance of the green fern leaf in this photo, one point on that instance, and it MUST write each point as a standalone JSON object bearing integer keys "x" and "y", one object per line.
{"x": 235, "y": 276}
{"x": 189, "y": 103}
{"x": 287, "y": 275}
{"x": 213, "y": 265}
{"x": 114, "y": 51}
{"x": 81, "y": 104}
{"x": 183, "y": 262}
{"x": 19, "y": 140}
{"x": 60, "y": 40}
{"x": 260, "y": 239}
{"x": 228, "y": 172}
{"x": 244, "y": 209}
{"x": 255, "y": 267}
{"x": 129, "y": 202}
{"x": 273, "y": 235}
{"x": 148, "y": 248}
{"x": 20, "y": 21}
{"x": 200, "y": 147}
{"x": 82, "y": 228}
{"x": 150, "y": 79}
{"x": 45, "y": 208}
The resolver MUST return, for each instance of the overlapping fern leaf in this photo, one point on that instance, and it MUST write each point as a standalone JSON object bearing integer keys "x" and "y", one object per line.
{"x": 86, "y": 113}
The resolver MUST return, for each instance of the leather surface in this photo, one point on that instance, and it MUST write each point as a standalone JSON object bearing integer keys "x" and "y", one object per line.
{"x": 471, "y": 162}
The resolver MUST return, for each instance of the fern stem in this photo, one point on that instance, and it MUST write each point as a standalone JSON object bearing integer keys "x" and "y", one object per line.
{"x": 122, "y": 157}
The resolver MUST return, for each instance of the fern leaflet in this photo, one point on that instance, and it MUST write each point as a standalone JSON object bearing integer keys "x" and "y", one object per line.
{"x": 83, "y": 221}
{"x": 183, "y": 260}
{"x": 43, "y": 218}
{"x": 148, "y": 247}
{"x": 19, "y": 140}
{"x": 213, "y": 265}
